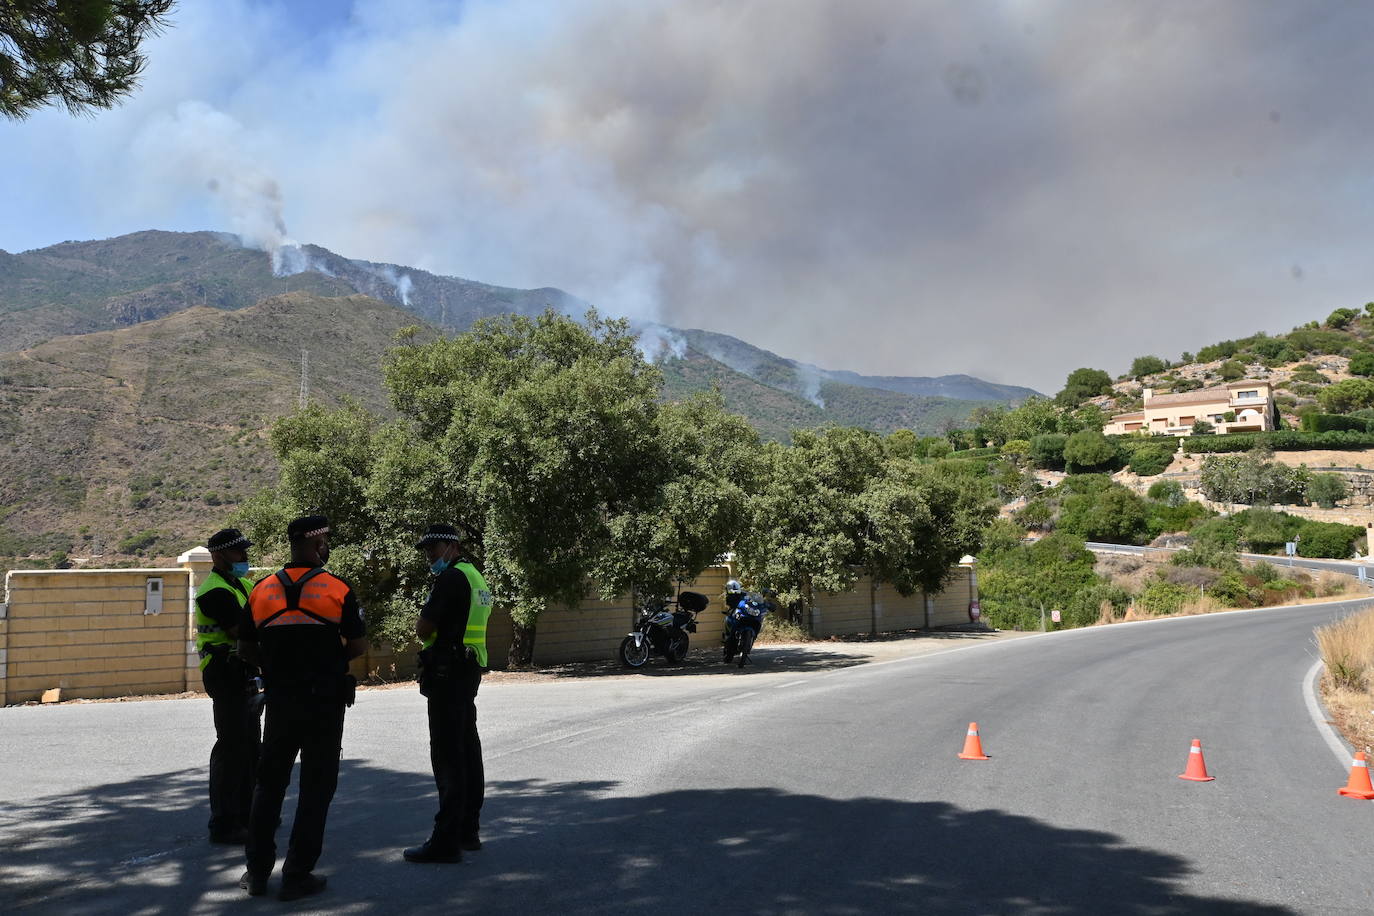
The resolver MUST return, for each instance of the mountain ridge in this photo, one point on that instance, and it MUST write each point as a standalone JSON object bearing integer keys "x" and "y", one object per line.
{"x": 84, "y": 286}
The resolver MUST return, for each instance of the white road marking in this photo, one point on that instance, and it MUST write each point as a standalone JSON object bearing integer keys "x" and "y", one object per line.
{"x": 1333, "y": 738}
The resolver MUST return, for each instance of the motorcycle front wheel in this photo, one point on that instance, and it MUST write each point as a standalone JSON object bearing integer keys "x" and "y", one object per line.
{"x": 631, "y": 655}
{"x": 746, "y": 642}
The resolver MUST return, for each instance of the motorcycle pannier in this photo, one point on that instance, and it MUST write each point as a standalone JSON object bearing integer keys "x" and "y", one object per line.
{"x": 692, "y": 601}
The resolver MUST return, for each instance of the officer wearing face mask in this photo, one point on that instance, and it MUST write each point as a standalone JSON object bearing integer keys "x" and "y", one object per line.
{"x": 452, "y": 627}
{"x": 229, "y": 681}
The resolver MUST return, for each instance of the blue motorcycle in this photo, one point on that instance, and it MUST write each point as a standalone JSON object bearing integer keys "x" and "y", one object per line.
{"x": 744, "y": 612}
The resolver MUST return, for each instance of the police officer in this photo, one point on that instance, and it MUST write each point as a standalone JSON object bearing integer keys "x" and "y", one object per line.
{"x": 229, "y": 682}
{"x": 452, "y": 627}
{"x": 304, "y": 625}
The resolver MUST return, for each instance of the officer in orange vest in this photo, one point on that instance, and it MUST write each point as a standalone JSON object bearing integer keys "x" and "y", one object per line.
{"x": 228, "y": 680}
{"x": 303, "y": 625}
{"x": 452, "y": 627}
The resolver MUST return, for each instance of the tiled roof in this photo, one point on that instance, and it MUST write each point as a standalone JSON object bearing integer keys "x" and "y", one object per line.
{"x": 1122, "y": 417}
{"x": 1200, "y": 396}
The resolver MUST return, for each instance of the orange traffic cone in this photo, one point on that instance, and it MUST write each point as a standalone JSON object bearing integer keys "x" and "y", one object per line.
{"x": 1197, "y": 767}
{"x": 1358, "y": 786}
{"x": 973, "y": 748}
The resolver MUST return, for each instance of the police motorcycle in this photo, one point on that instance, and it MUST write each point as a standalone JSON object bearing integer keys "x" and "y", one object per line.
{"x": 744, "y": 613}
{"x": 662, "y": 629}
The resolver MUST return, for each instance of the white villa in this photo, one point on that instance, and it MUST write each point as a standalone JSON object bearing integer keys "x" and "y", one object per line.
{"x": 1249, "y": 402}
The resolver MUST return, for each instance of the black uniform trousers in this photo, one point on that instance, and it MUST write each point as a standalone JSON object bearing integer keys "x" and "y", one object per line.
{"x": 234, "y": 757}
{"x": 455, "y": 753}
{"x": 297, "y": 722}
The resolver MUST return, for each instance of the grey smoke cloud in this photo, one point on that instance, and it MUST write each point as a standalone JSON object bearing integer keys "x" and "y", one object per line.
{"x": 1008, "y": 189}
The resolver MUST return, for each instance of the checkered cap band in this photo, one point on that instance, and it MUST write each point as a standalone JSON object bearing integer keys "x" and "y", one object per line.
{"x": 239, "y": 541}
{"x": 316, "y": 533}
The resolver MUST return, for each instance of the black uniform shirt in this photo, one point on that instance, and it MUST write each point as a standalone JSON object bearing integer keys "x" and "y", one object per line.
{"x": 449, "y": 602}
{"x": 299, "y": 654}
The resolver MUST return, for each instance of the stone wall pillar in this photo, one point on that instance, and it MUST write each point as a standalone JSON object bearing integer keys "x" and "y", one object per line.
{"x": 197, "y": 564}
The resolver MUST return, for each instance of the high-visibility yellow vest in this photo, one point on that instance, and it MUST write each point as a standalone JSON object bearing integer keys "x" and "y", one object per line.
{"x": 208, "y": 632}
{"x": 479, "y": 610}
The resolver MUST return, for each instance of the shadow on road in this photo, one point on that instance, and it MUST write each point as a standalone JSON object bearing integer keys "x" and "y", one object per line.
{"x": 574, "y": 847}
{"x": 765, "y": 657}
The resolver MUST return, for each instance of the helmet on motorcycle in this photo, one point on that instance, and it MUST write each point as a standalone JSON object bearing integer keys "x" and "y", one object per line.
{"x": 734, "y": 586}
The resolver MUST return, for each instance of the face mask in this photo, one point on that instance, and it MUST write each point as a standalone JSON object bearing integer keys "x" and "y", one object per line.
{"x": 438, "y": 566}
{"x": 240, "y": 569}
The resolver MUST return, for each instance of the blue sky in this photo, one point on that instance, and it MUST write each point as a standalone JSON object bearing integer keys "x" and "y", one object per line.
{"x": 1010, "y": 188}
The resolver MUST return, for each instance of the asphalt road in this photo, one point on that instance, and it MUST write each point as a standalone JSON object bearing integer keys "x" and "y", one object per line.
{"x": 807, "y": 788}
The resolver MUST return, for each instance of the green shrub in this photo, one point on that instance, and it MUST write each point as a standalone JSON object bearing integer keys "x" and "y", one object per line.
{"x": 1362, "y": 364}
{"x": 1014, "y": 583}
{"x": 1147, "y": 365}
{"x": 1161, "y": 597}
{"x": 1232, "y": 370}
{"x": 1037, "y": 515}
{"x": 1085, "y": 607}
{"x": 1115, "y": 515}
{"x": 1224, "y": 350}
{"x": 1328, "y": 539}
{"x": 1231, "y": 590}
{"x": 1088, "y": 450}
{"x": 1047, "y": 451}
{"x": 1164, "y": 518}
{"x": 1316, "y": 341}
{"x": 138, "y": 543}
{"x": 1310, "y": 375}
{"x": 1348, "y": 395}
{"x": 1280, "y": 440}
{"x": 1151, "y": 460}
{"x": 1169, "y": 492}
{"x": 1327, "y": 489}
{"x": 1314, "y": 422}
{"x": 1341, "y": 318}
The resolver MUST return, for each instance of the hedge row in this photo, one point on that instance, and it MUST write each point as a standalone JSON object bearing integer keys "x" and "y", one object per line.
{"x": 1334, "y": 422}
{"x": 1283, "y": 440}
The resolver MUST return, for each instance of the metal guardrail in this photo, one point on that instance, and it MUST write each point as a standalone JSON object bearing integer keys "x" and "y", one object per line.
{"x": 1352, "y": 568}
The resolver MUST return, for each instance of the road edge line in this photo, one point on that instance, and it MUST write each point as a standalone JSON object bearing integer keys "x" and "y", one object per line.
{"x": 1317, "y": 711}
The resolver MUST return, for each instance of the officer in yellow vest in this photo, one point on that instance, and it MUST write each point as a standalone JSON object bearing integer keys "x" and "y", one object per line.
{"x": 229, "y": 682}
{"x": 452, "y": 627}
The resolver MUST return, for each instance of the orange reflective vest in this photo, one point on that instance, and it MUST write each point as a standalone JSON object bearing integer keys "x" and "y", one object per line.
{"x": 298, "y": 597}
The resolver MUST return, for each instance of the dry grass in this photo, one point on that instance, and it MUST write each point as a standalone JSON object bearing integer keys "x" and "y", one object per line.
{"x": 1347, "y": 648}
{"x": 778, "y": 629}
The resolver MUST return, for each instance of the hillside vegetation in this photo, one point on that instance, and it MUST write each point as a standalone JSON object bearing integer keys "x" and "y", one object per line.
{"x": 140, "y": 441}
{"x": 1321, "y": 366}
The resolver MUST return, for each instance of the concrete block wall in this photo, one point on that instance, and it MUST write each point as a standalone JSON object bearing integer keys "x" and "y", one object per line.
{"x": 87, "y": 632}
{"x": 949, "y": 608}
{"x": 868, "y": 609}
{"x": 594, "y": 630}
{"x": 898, "y": 612}
{"x": 845, "y": 612}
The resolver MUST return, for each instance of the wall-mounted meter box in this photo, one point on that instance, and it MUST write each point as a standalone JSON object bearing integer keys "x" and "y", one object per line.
{"x": 153, "y": 595}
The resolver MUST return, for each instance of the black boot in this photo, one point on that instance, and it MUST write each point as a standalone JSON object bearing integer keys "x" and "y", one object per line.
{"x": 429, "y": 851}
{"x": 294, "y": 887}
{"x": 255, "y": 885}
